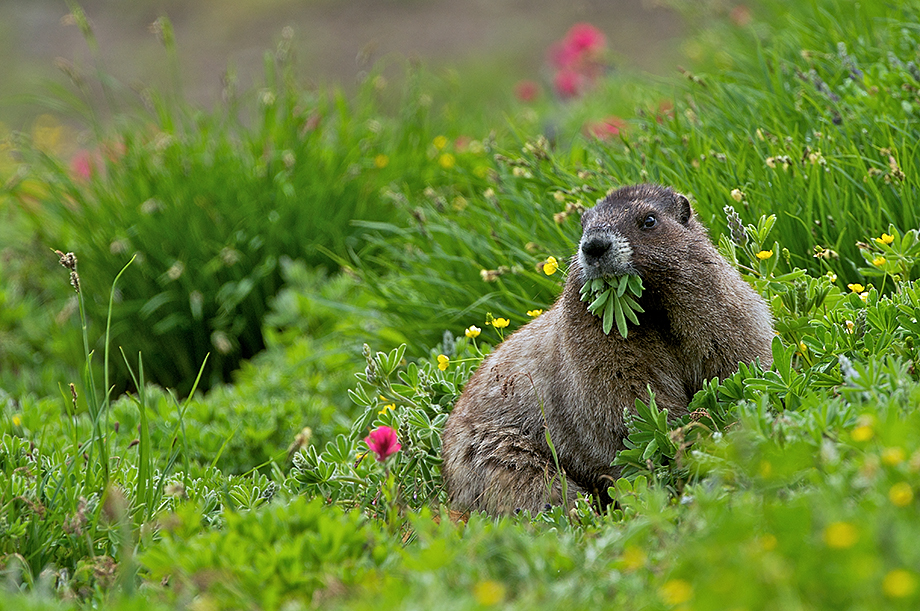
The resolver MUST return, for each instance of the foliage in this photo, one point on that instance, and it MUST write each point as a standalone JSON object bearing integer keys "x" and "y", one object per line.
{"x": 794, "y": 485}
{"x": 209, "y": 203}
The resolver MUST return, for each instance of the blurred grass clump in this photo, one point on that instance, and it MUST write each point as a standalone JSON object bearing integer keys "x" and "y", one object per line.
{"x": 208, "y": 202}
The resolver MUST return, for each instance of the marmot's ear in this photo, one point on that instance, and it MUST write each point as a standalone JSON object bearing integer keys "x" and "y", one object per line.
{"x": 683, "y": 210}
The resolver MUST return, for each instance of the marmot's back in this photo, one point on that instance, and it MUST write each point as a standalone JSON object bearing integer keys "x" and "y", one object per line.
{"x": 563, "y": 374}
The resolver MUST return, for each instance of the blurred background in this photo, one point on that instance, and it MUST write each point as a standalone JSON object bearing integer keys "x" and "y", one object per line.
{"x": 492, "y": 43}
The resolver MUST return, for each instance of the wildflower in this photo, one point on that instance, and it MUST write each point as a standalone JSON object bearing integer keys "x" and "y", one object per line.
{"x": 568, "y": 83}
{"x": 768, "y": 542}
{"x": 221, "y": 341}
{"x": 856, "y": 287}
{"x": 740, "y": 16}
{"x": 443, "y": 362}
{"x": 383, "y": 442}
{"x": 559, "y": 196}
{"x": 831, "y": 276}
{"x": 863, "y": 432}
{"x": 389, "y": 407}
{"x": 841, "y": 535}
{"x": 381, "y": 161}
{"x": 473, "y": 332}
{"x": 676, "y": 592}
{"x": 534, "y": 313}
{"x": 802, "y": 348}
{"x": 606, "y": 128}
{"x": 500, "y": 323}
{"x": 521, "y": 172}
{"x": 763, "y": 255}
{"x": 489, "y": 592}
{"x": 885, "y": 239}
{"x": 901, "y": 494}
{"x": 447, "y": 161}
{"x": 176, "y": 270}
{"x": 899, "y": 583}
{"x": 526, "y": 91}
{"x": 737, "y": 195}
{"x": 489, "y": 275}
{"x": 17, "y": 421}
{"x": 81, "y": 164}
{"x": 893, "y": 456}
{"x": 633, "y": 558}
{"x": 439, "y": 142}
{"x": 550, "y": 266}
{"x": 879, "y": 261}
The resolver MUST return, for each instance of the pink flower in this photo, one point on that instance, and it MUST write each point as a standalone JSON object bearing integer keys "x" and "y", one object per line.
{"x": 382, "y": 442}
{"x": 82, "y": 165}
{"x": 568, "y": 83}
{"x": 585, "y": 38}
{"x": 526, "y": 91}
{"x": 608, "y": 128}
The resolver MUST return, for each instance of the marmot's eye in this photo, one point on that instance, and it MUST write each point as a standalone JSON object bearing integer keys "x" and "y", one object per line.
{"x": 649, "y": 222}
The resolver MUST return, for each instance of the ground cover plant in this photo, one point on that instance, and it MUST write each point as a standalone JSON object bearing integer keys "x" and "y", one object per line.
{"x": 301, "y": 485}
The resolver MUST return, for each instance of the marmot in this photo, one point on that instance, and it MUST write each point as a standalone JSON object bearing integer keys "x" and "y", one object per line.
{"x": 562, "y": 374}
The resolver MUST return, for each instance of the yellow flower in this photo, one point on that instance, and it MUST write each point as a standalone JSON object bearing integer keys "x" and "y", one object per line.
{"x": 633, "y": 558}
{"x": 489, "y": 592}
{"x": 17, "y": 421}
{"x": 899, "y": 584}
{"x": 856, "y": 288}
{"x": 862, "y": 433}
{"x": 386, "y": 408}
{"x": 550, "y": 266}
{"x": 841, "y": 535}
{"x": 763, "y": 255}
{"x": 768, "y": 542}
{"x": 901, "y": 494}
{"x": 439, "y": 142}
{"x": 381, "y": 161}
{"x": 500, "y": 323}
{"x": 802, "y": 348}
{"x": 443, "y": 362}
{"x": 850, "y": 326}
{"x": 534, "y": 313}
{"x": 447, "y": 161}
{"x": 676, "y": 592}
{"x": 893, "y": 456}
{"x": 473, "y": 331}
{"x": 879, "y": 261}
{"x": 737, "y": 195}
{"x": 885, "y": 239}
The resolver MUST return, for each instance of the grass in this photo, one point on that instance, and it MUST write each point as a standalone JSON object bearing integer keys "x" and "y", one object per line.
{"x": 793, "y": 487}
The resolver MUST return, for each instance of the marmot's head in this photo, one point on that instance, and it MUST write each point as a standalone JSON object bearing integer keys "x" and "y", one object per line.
{"x": 635, "y": 230}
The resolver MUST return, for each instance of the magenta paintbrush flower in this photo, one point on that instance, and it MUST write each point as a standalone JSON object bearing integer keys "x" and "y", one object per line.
{"x": 382, "y": 441}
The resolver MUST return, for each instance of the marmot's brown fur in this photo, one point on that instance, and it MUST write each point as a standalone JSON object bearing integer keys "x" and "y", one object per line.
{"x": 701, "y": 319}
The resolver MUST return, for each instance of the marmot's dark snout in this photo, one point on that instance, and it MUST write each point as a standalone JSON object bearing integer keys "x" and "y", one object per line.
{"x": 595, "y": 248}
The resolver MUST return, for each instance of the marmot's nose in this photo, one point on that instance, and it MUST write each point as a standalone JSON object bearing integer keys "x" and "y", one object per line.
{"x": 595, "y": 248}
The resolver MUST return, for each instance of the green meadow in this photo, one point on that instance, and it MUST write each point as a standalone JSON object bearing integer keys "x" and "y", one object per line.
{"x": 207, "y": 316}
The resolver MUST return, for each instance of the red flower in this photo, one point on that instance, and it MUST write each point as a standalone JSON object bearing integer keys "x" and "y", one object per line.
{"x": 568, "y": 83}
{"x": 526, "y": 91}
{"x": 382, "y": 442}
{"x": 608, "y": 128}
{"x": 585, "y": 38}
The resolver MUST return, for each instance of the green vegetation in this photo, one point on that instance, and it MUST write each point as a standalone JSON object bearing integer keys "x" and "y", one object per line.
{"x": 322, "y": 266}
